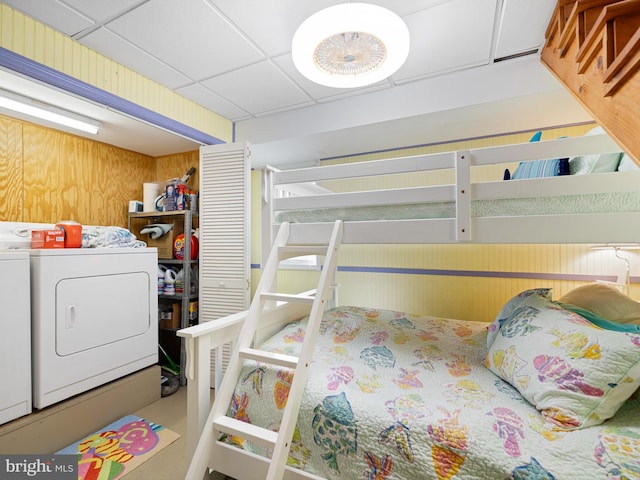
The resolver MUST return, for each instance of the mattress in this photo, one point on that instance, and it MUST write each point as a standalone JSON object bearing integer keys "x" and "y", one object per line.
{"x": 396, "y": 395}
{"x": 565, "y": 204}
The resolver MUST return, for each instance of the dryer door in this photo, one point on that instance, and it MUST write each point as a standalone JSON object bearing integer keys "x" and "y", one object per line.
{"x": 99, "y": 310}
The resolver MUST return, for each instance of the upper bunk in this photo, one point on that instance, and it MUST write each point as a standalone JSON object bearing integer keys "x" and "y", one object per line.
{"x": 593, "y": 48}
{"x": 395, "y": 200}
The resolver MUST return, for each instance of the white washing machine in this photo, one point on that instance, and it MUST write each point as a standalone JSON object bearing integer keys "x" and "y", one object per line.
{"x": 15, "y": 336}
{"x": 94, "y": 318}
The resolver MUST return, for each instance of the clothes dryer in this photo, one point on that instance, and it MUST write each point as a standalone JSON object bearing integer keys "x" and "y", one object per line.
{"x": 15, "y": 336}
{"x": 94, "y": 318}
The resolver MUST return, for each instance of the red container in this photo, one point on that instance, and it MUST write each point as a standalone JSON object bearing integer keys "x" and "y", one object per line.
{"x": 72, "y": 234}
{"x": 179, "y": 244}
{"x": 47, "y": 239}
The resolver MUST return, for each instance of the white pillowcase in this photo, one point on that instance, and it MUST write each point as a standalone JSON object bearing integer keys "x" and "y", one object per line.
{"x": 627, "y": 164}
{"x": 586, "y": 164}
{"x": 576, "y": 373}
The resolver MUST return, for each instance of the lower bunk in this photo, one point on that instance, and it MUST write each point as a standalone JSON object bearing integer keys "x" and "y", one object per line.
{"x": 545, "y": 391}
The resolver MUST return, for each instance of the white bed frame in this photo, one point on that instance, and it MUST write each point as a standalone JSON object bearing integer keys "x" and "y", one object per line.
{"x": 304, "y": 193}
{"x": 463, "y": 228}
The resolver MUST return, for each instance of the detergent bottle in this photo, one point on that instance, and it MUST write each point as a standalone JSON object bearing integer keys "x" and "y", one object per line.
{"x": 161, "y": 273}
{"x": 169, "y": 282}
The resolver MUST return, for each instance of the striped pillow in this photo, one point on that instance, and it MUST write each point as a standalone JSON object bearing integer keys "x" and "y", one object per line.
{"x": 537, "y": 169}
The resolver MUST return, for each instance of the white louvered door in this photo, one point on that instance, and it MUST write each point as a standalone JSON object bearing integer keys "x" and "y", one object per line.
{"x": 225, "y": 192}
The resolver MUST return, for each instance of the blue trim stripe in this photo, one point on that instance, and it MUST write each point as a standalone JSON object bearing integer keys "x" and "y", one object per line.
{"x": 477, "y": 273}
{"x": 55, "y": 78}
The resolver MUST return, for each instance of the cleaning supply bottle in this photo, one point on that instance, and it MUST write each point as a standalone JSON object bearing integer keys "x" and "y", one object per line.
{"x": 161, "y": 273}
{"x": 180, "y": 282}
{"x": 169, "y": 282}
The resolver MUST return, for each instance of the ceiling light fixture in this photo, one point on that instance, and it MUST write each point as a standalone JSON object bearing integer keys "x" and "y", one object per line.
{"x": 43, "y": 111}
{"x": 350, "y": 45}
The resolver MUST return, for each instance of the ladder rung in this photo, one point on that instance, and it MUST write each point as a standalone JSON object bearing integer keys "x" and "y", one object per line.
{"x": 286, "y": 297}
{"x": 271, "y": 358}
{"x": 291, "y": 251}
{"x": 245, "y": 430}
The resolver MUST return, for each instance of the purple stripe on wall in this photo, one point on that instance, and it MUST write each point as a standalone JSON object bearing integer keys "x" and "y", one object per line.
{"x": 478, "y": 273}
{"x": 49, "y": 76}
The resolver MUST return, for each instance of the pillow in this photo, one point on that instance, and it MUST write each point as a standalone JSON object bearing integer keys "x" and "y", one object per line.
{"x": 605, "y": 301}
{"x": 537, "y": 169}
{"x": 509, "y": 307}
{"x": 536, "y": 137}
{"x": 574, "y": 372}
{"x": 599, "y": 321}
{"x": 564, "y": 168}
{"x": 585, "y": 164}
{"x": 627, "y": 164}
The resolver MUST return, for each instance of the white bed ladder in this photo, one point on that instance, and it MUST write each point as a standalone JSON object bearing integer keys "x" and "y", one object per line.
{"x": 218, "y": 421}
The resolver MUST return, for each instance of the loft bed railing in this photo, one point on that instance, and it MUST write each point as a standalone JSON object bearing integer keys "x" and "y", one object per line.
{"x": 306, "y": 189}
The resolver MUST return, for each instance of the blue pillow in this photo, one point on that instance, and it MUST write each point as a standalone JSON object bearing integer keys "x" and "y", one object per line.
{"x": 536, "y": 137}
{"x": 537, "y": 169}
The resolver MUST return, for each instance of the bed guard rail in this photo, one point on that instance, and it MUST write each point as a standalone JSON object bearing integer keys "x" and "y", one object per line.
{"x": 202, "y": 339}
{"x": 301, "y": 189}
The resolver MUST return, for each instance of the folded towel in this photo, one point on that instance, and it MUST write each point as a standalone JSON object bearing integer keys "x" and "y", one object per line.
{"x": 156, "y": 230}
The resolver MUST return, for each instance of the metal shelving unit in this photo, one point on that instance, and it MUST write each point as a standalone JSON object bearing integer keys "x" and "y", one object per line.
{"x": 186, "y": 297}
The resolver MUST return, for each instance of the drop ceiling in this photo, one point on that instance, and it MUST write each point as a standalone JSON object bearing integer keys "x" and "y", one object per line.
{"x": 473, "y": 69}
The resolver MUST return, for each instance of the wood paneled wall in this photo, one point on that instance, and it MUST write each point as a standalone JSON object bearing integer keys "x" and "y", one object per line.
{"x": 172, "y": 166}
{"x": 47, "y": 176}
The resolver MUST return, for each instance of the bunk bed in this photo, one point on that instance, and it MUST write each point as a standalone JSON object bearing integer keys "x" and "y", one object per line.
{"x": 465, "y": 210}
{"x": 399, "y": 395}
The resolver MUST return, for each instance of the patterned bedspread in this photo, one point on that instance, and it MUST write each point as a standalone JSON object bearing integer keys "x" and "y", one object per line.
{"x": 400, "y": 396}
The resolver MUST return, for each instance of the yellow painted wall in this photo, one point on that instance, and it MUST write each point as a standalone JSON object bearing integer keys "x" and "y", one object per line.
{"x": 459, "y": 293}
{"x": 27, "y": 37}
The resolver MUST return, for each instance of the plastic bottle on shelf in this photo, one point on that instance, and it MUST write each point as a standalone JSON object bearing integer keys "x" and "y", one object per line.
{"x": 161, "y": 274}
{"x": 193, "y": 313}
{"x": 180, "y": 282}
{"x": 169, "y": 282}
{"x": 194, "y": 279}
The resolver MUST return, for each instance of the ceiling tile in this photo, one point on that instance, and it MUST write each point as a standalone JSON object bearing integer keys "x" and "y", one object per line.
{"x": 522, "y": 26}
{"x": 453, "y": 35}
{"x": 317, "y": 91}
{"x": 210, "y": 100}
{"x": 54, "y": 14}
{"x": 101, "y": 11}
{"x": 271, "y": 24}
{"x": 112, "y": 46}
{"x": 258, "y": 88}
{"x": 407, "y": 8}
{"x": 189, "y": 35}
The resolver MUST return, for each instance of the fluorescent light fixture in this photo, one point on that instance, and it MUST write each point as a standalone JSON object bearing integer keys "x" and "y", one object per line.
{"x": 350, "y": 45}
{"x": 37, "y": 109}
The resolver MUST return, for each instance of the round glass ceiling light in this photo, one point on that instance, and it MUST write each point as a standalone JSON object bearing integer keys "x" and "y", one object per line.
{"x": 350, "y": 45}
